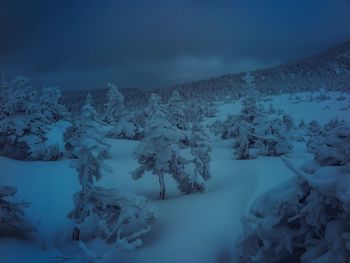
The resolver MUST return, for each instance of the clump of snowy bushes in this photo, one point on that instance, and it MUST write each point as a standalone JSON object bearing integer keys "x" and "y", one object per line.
{"x": 254, "y": 133}
{"x": 12, "y": 218}
{"x": 25, "y": 119}
{"x": 306, "y": 219}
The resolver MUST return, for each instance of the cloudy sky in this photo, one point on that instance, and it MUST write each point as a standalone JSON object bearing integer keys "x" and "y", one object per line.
{"x": 156, "y": 43}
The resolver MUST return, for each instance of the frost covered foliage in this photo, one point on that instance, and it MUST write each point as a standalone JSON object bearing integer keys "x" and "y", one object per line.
{"x": 125, "y": 128}
{"x": 243, "y": 127}
{"x": 12, "y": 219}
{"x": 322, "y": 95}
{"x": 160, "y": 153}
{"x": 87, "y": 126}
{"x": 154, "y": 104}
{"x": 142, "y": 116}
{"x": 51, "y": 98}
{"x": 115, "y": 108}
{"x": 263, "y": 137}
{"x": 306, "y": 219}
{"x": 288, "y": 122}
{"x": 176, "y": 111}
{"x": 24, "y": 121}
{"x": 314, "y": 128}
{"x": 274, "y": 139}
{"x": 113, "y": 216}
{"x": 332, "y": 145}
{"x": 98, "y": 212}
{"x": 200, "y": 150}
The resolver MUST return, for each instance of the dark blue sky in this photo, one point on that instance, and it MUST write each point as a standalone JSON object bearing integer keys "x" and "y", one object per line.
{"x": 157, "y": 43}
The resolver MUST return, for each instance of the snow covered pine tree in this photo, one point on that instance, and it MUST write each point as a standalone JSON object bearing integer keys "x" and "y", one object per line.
{"x": 200, "y": 149}
{"x": 115, "y": 108}
{"x": 98, "y": 212}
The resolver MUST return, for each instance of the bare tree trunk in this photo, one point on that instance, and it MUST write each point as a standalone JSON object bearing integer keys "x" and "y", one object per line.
{"x": 162, "y": 187}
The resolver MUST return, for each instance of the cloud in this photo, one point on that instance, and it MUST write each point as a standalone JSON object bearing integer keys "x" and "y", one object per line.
{"x": 156, "y": 43}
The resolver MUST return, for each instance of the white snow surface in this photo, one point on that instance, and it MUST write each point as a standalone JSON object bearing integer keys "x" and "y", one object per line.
{"x": 190, "y": 228}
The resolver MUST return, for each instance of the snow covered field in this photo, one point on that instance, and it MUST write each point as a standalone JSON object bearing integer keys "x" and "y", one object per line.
{"x": 190, "y": 228}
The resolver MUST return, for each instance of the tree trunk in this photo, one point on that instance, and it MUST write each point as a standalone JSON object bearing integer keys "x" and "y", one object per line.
{"x": 162, "y": 187}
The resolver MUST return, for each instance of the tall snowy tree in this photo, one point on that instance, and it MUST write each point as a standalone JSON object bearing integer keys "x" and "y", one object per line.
{"x": 175, "y": 111}
{"x": 154, "y": 104}
{"x": 159, "y": 152}
{"x": 200, "y": 150}
{"x": 87, "y": 124}
{"x": 98, "y": 212}
{"x": 115, "y": 108}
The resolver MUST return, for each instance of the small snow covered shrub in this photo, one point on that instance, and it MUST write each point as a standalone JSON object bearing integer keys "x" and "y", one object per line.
{"x": 314, "y": 128}
{"x": 113, "y": 216}
{"x": 125, "y": 128}
{"x": 341, "y": 97}
{"x": 306, "y": 219}
{"x": 322, "y": 95}
{"x": 302, "y": 125}
{"x": 51, "y": 98}
{"x": 332, "y": 145}
{"x": 288, "y": 121}
{"x": 12, "y": 219}
{"x": 274, "y": 139}
{"x": 254, "y": 133}
{"x": 210, "y": 110}
{"x": 200, "y": 150}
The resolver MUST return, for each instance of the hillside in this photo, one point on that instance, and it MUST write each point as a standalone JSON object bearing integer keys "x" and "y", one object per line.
{"x": 330, "y": 68}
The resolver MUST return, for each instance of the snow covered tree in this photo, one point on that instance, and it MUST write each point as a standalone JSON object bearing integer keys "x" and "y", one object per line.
{"x": 244, "y": 144}
{"x": 332, "y": 145}
{"x": 23, "y": 122}
{"x": 244, "y": 126}
{"x": 51, "y": 98}
{"x": 154, "y": 104}
{"x": 125, "y": 128}
{"x": 159, "y": 152}
{"x": 175, "y": 111}
{"x": 273, "y": 139}
{"x": 115, "y": 107}
{"x": 12, "y": 218}
{"x": 302, "y": 125}
{"x": 288, "y": 121}
{"x": 314, "y": 128}
{"x": 200, "y": 150}
{"x": 108, "y": 214}
{"x": 87, "y": 124}
{"x": 305, "y": 219}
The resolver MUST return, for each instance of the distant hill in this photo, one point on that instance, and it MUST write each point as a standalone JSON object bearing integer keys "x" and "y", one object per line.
{"x": 330, "y": 69}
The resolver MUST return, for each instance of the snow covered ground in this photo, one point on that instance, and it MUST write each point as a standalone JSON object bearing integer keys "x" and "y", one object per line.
{"x": 190, "y": 228}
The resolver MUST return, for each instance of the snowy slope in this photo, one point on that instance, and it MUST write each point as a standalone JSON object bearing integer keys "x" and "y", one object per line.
{"x": 191, "y": 228}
